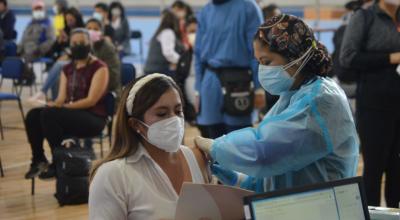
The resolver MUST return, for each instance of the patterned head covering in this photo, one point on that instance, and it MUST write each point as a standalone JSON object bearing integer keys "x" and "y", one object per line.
{"x": 291, "y": 37}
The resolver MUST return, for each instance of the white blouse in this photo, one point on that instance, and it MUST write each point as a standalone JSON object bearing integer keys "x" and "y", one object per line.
{"x": 136, "y": 188}
{"x": 167, "y": 40}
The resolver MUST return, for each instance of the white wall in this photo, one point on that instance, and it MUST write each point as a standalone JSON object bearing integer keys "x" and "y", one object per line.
{"x": 160, "y": 3}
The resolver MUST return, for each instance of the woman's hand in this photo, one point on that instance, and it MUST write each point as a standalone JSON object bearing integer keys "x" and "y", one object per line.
{"x": 395, "y": 58}
{"x": 204, "y": 144}
{"x": 54, "y": 104}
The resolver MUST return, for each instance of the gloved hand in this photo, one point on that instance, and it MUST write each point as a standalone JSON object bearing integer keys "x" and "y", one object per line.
{"x": 204, "y": 144}
{"x": 228, "y": 177}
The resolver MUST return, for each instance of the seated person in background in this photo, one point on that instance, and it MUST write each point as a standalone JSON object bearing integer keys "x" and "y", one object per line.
{"x": 120, "y": 26}
{"x": 103, "y": 49}
{"x": 7, "y": 21}
{"x": 165, "y": 47}
{"x": 79, "y": 109}
{"x": 37, "y": 39}
{"x": 143, "y": 174}
{"x": 60, "y": 52}
{"x": 59, "y": 9}
{"x": 101, "y": 13}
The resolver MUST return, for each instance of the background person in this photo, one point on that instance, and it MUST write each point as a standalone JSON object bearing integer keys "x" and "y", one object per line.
{"x": 165, "y": 47}
{"x": 223, "y": 43}
{"x": 121, "y": 31}
{"x": 376, "y": 55}
{"x": 7, "y": 21}
{"x": 78, "y": 111}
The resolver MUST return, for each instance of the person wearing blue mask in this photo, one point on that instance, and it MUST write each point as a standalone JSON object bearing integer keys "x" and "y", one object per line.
{"x": 308, "y": 136}
{"x": 223, "y": 52}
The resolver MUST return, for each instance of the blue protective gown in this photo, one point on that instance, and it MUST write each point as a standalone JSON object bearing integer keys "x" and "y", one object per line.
{"x": 308, "y": 136}
{"x": 224, "y": 39}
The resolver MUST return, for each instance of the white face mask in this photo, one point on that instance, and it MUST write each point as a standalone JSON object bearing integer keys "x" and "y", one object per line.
{"x": 393, "y": 2}
{"x": 98, "y": 16}
{"x": 166, "y": 134}
{"x": 116, "y": 12}
{"x": 38, "y": 14}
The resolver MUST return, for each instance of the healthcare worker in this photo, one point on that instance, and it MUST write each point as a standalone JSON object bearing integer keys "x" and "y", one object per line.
{"x": 308, "y": 136}
{"x": 224, "y": 44}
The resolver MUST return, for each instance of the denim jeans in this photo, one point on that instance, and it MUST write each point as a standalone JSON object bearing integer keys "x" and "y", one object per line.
{"x": 53, "y": 78}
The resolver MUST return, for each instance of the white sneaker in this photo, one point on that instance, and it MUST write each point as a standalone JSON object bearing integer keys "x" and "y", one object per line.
{"x": 39, "y": 99}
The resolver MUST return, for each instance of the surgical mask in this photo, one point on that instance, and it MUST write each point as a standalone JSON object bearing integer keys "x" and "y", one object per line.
{"x": 116, "y": 12}
{"x": 98, "y": 16}
{"x": 80, "y": 51}
{"x": 95, "y": 35}
{"x": 276, "y": 80}
{"x": 192, "y": 38}
{"x": 393, "y": 2}
{"x": 38, "y": 14}
{"x": 55, "y": 9}
{"x": 166, "y": 134}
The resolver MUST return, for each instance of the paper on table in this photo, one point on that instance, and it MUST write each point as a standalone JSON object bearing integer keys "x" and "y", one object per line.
{"x": 210, "y": 202}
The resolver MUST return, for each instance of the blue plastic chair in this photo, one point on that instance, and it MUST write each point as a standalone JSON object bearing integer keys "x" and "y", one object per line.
{"x": 13, "y": 68}
{"x": 109, "y": 99}
{"x": 128, "y": 73}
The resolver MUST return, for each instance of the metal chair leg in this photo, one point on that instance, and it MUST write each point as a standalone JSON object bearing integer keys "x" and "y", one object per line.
{"x": 1, "y": 129}
{"x": 101, "y": 145}
{"x": 33, "y": 186}
{"x": 1, "y": 168}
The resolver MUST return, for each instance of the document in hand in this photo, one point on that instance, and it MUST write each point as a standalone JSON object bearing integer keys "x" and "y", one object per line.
{"x": 210, "y": 202}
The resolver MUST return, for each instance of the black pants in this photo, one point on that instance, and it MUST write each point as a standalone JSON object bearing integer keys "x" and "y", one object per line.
{"x": 55, "y": 124}
{"x": 380, "y": 143}
{"x": 217, "y": 130}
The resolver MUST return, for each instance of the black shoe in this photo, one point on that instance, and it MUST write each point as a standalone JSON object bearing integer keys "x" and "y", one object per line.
{"x": 36, "y": 169}
{"x": 49, "y": 173}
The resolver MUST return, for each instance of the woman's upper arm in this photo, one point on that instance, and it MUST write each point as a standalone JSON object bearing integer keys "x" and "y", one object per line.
{"x": 203, "y": 164}
{"x": 98, "y": 85}
{"x": 107, "y": 198}
{"x": 62, "y": 91}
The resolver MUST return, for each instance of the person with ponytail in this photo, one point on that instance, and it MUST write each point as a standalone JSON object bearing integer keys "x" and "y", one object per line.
{"x": 144, "y": 172}
{"x": 308, "y": 136}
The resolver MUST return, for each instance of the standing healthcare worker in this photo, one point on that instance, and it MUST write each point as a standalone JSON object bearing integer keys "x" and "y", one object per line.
{"x": 308, "y": 136}
{"x": 224, "y": 63}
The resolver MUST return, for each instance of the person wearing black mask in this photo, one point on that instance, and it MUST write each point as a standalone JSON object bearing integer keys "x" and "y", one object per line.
{"x": 79, "y": 109}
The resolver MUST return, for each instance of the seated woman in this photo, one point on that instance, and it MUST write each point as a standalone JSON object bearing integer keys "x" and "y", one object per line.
{"x": 165, "y": 46}
{"x": 142, "y": 176}
{"x": 60, "y": 52}
{"x": 79, "y": 109}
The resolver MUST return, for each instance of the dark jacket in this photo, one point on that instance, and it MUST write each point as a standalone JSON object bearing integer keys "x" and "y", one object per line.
{"x": 379, "y": 83}
{"x": 105, "y": 51}
{"x": 7, "y": 25}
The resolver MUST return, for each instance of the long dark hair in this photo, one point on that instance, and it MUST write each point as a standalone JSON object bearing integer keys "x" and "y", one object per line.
{"x": 126, "y": 140}
{"x": 168, "y": 21}
{"x": 182, "y": 5}
{"x": 116, "y": 5}
{"x": 78, "y": 17}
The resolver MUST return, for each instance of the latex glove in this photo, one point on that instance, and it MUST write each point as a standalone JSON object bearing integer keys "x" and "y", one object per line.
{"x": 204, "y": 144}
{"x": 228, "y": 177}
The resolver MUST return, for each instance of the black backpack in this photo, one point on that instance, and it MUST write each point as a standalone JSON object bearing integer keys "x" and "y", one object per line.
{"x": 73, "y": 165}
{"x": 348, "y": 75}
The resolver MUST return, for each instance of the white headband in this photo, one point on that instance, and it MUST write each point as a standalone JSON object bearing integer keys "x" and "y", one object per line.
{"x": 138, "y": 85}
